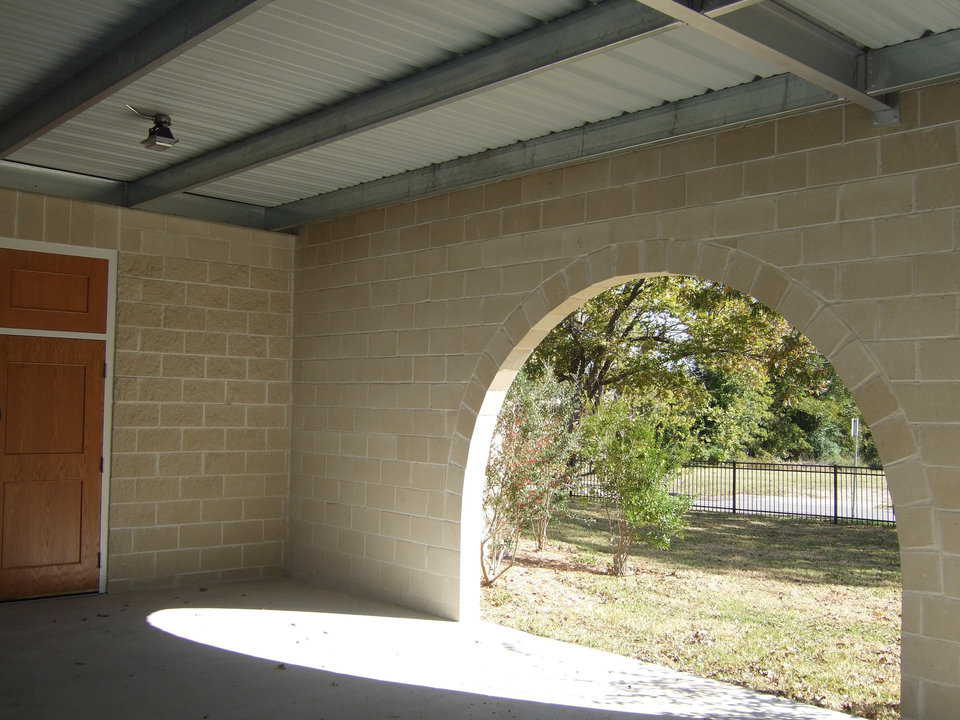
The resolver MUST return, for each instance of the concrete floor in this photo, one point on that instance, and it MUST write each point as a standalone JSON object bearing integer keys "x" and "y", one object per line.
{"x": 281, "y": 649}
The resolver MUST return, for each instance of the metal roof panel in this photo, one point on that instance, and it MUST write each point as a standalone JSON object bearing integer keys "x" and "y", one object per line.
{"x": 287, "y": 59}
{"x": 41, "y": 38}
{"x": 878, "y": 23}
{"x": 671, "y": 65}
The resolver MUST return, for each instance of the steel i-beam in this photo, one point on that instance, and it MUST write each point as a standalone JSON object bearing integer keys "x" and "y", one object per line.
{"x": 783, "y": 38}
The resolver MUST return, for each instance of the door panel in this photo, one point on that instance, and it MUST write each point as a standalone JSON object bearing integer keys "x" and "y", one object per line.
{"x": 42, "y": 522}
{"x": 37, "y": 290}
{"x": 44, "y": 291}
{"x": 49, "y": 422}
{"x": 51, "y": 414}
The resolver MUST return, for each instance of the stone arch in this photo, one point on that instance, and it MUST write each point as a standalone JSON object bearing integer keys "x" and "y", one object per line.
{"x": 545, "y": 306}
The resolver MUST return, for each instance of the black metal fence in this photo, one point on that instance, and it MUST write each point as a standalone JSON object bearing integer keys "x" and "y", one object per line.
{"x": 840, "y": 493}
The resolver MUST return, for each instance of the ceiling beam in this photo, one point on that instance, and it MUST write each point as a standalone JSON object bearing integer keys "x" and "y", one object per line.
{"x": 185, "y": 25}
{"x": 898, "y": 67}
{"x": 733, "y": 106}
{"x": 779, "y": 36}
{"x": 913, "y": 64}
{"x": 60, "y": 183}
{"x": 598, "y": 27}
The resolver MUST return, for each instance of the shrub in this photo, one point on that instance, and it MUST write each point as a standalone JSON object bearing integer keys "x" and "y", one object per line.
{"x": 528, "y": 469}
{"x": 633, "y": 457}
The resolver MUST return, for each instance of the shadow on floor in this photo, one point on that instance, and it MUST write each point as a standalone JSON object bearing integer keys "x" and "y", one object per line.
{"x": 281, "y": 649}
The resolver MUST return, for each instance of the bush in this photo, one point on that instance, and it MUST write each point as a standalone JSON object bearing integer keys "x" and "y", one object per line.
{"x": 528, "y": 470}
{"x": 633, "y": 457}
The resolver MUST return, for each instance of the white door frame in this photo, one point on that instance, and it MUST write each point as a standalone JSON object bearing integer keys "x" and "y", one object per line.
{"x": 110, "y": 337}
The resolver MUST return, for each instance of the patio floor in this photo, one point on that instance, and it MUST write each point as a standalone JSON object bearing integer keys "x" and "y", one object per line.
{"x": 282, "y": 649}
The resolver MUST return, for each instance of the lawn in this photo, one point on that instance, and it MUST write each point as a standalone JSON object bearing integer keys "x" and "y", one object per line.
{"x": 801, "y": 609}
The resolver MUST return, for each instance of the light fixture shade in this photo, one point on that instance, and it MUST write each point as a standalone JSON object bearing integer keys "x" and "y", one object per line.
{"x": 159, "y": 137}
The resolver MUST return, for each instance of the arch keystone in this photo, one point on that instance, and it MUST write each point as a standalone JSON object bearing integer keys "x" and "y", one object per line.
{"x": 629, "y": 259}
{"x": 682, "y": 257}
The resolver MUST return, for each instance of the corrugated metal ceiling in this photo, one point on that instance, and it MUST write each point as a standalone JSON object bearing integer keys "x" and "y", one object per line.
{"x": 631, "y": 77}
{"x": 280, "y": 62}
{"x": 878, "y": 23}
{"x": 294, "y": 56}
{"x": 43, "y": 36}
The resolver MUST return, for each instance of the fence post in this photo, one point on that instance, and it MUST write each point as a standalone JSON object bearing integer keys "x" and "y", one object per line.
{"x": 734, "y": 487}
{"x": 835, "y": 495}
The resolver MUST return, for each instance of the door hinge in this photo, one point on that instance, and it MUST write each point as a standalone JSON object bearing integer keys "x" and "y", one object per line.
{"x": 98, "y": 559}
{"x": 101, "y": 464}
{"x": 104, "y": 369}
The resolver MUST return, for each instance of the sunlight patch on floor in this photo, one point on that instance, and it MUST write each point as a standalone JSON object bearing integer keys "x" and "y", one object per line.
{"x": 479, "y": 658}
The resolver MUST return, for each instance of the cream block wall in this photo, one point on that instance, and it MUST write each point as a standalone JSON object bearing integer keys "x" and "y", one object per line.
{"x": 411, "y": 320}
{"x": 201, "y": 432}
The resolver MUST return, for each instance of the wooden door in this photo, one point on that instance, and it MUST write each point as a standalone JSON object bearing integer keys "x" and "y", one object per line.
{"x": 51, "y": 417}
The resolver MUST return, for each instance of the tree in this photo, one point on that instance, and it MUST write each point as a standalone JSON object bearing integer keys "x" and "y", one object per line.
{"x": 810, "y": 410}
{"x": 752, "y": 384}
{"x": 634, "y": 452}
{"x": 528, "y": 468}
{"x": 677, "y": 336}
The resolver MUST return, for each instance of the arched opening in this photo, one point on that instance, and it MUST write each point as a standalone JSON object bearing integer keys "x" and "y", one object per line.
{"x": 590, "y": 276}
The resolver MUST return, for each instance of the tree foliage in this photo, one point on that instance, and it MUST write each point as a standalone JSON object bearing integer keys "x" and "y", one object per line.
{"x": 751, "y": 383}
{"x": 528, "y": 470}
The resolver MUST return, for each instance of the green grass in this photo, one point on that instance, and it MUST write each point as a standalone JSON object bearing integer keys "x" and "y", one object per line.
{"x": 801, "y": 609}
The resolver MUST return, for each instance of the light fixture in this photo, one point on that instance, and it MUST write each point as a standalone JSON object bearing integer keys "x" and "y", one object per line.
{"x": 159, "y": 137}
